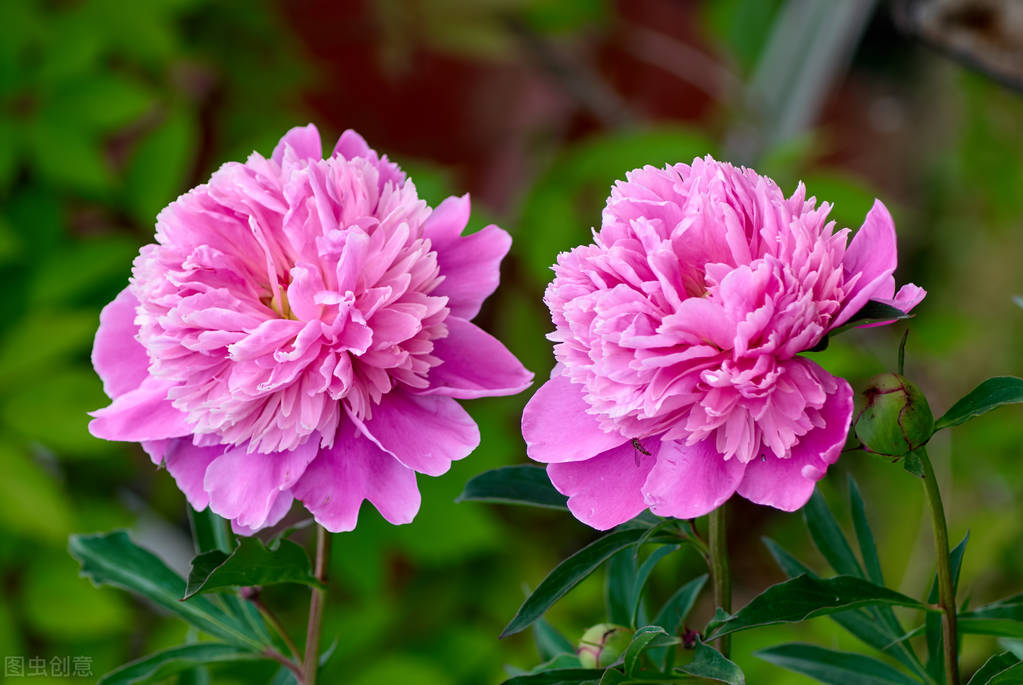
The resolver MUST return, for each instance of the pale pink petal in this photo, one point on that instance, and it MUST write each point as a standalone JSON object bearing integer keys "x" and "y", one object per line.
{"x": 355, "y": 469}
{"x": 187, "y": 464}
{"x": 303, "y": 140}
{"x": 607, "y": 489}
{"x": 119, "y": 359}
{"x": 690, "y": 481}
{"x": 423, "y": 433}
{"x": 447, "y": 221}
{"x": 787, "y": 484}
{"x": 557, "y": 427}
{"x": 872, "y": 255}
{"x": 243, "y": 485}
{"x": 142, "y": 414}
{"x": 475, "y": 364}
{"x": 351, "y": 145}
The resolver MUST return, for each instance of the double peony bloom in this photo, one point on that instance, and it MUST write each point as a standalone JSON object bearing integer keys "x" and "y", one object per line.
{"x": 301, "y": 330}
{"x": 677, "y": 337}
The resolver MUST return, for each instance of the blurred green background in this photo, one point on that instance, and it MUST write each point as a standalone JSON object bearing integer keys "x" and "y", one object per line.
{"x": 110, "y": 109}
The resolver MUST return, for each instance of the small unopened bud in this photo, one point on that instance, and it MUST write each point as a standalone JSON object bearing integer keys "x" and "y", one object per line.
{"x": 896, "y": 418}
{"x": 602, "y": 644}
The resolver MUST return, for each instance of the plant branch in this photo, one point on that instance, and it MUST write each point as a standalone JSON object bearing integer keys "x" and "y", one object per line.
{"x": 276, "y": 625}
{"x": 946, "y": 587}
{"x": 316, "y": 604}
{"x": 720, "y": 575}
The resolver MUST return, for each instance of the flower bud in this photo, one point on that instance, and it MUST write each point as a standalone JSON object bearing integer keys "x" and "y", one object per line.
{"x": 602, "y": 644}
{"x": 896, "y": 418}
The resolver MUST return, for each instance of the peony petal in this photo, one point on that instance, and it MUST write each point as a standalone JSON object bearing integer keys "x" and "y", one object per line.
{"x": 476, "y": 364}
{"x": 557, "y": 428}
{"x": 607, "y": 489}
{"x": 243, "y": 485}
{"x": 351, "y": 145}
{"x": 690, "y": 481}
{"x": 423, "y": 433}
{"x": 187, "y": 464}
{"x": 278, "y": 510}
{"x": 120, "y": 360}
{"x": 355, "y": 469}
{"x": 304, "y": 140}
{"x": 787, "y": 484}
{"x": 445, "y": 224}
{"x": 872, "y": 255}
{"x": 471, "y": 265}
{"x": 142, "y": 414}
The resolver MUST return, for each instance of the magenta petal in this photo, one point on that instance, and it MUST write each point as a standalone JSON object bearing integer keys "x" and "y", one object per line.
{"x": 304, "y": 140}
{"x": 120, "y": 360}
{"x": 471, "y": 266}
{"x": 446, "y": 223}
{"x": 606, "y": 490}
{"x": 690, "y": 481}
{"x": 355, "y": 469}
{"x": 278, "y": 510}
{"x": 424, "y": 433}
{"x": 787, "y": 484}
{"x": 475, "y": 364}
{"x": 557, "y": 428}
{"x": 872, "y": 255}
{"x": 187, "y": 464}
{"x": 351, "y": 145}
{"x": 243, "y": 485}
{"x": 142, "y": 414}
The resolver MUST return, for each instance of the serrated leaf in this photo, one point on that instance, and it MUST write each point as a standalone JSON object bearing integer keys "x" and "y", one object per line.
{"x": 709, "y": 663}
{"x": 113, "y": 559}
{"x": 250, "y": 564}
{"x": 991, "y": 394}
{"x": 521, "y": 484}
{"x": 570, "y": 573}
{"x": 160, "y": 666}
{"x": 834, "y": 667}
{"x": 805, "y": 597}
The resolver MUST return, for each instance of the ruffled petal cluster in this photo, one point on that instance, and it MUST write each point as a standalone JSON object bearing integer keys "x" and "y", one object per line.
{"x": 301, "y": 329}
{"x": 678, "y": 333}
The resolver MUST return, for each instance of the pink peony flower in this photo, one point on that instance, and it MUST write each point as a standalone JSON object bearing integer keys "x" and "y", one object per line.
{"x": 300, "y": 329}
{"x": 677, "y": 337}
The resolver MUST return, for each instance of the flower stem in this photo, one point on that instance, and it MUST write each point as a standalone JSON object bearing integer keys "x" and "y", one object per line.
{"x": 719, "y": 570}
{"x": 946, "y": 588}
{"x": 275, "y": 623}
{"x": 316, "y": 604}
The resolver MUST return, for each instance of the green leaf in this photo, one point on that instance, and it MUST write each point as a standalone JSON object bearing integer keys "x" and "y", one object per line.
{"x": 619, "y": 586}
{"x": 557, "y": 676}
{"x": 834, "y": 667}
{"x": 160, "y": 666}
{"x": 570, "y": 573}
{"x": 1003, "y": 618}
{"x": 25, "y": 486}
{"x": 641, "y": 579}
{"x": 522, "y": 484}
{"x": 709, "y": 663}
{"x": 864, "y": 536}
{"x": 674, "y": 612}
{"x": 549, "y": 642}
{"x": 999, "y": 663}
{"x": 251, "y": 563}
{"x": 991, "y": 394}
{"x": 645, "y": 637}
{"x": 829, "y": 538}
{"x": 805, "y": 597}
{"x": 159, "y": 168}
{"x": 872, "y": 312}
{"x": 104, "y": 101}
{"x": 113, "y": 559}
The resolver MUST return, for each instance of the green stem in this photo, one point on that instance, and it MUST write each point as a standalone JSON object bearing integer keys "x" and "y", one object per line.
{"x": 316, "y": 604}
{"x": 275, "y": 623}
{"x": 946, "y": 588}
{"x": 719, "y": 570}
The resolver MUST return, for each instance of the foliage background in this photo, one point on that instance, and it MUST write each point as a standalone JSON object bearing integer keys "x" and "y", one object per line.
{"x": 110, "y": 109}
